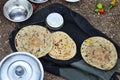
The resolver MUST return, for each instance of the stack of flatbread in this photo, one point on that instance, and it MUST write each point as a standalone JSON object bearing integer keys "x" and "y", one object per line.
{"x": 34, "y": 39}
{"x": 99, "y": 52}
{"x": 64, "y": 48}
{"x": 38, "y": 41}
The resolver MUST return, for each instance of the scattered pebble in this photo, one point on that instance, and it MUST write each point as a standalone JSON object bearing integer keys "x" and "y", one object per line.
{"x": 6, "y": 41}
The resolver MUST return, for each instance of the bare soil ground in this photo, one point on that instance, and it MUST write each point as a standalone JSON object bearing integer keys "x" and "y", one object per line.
{"x": 108, "y": 23}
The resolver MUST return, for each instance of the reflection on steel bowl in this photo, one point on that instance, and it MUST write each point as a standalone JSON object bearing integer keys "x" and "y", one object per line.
{"x": 21, "y": 66}
{"x": 17, "y": 10}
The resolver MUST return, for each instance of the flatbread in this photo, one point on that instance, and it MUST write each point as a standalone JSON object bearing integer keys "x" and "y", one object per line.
{"x": 64, "y": 48}
{"x": 34, "y": 39}
{"x": 99, "y": 52}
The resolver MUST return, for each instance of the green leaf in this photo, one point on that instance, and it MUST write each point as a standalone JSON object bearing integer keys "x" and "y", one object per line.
{"x": 99, "y": 5}
{"x": 96, "y": 10}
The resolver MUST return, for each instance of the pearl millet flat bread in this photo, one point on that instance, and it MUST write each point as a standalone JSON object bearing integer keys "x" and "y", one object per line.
{"x": 99, "y": 52}
{"x": 34, "y": 39}
{"x": 64, "y": 48}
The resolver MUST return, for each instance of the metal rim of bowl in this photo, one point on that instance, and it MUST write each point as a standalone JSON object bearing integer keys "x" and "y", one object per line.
{"x": 30, "y": 12}
{"x": 38, "y": 1}
{"x": 72, "y": 0}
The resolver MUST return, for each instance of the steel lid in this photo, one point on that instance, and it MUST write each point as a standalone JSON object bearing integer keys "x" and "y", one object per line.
{"x": 21, "y": 66}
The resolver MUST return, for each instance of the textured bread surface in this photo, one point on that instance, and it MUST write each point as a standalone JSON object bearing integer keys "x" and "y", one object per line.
{"x": 34, "y": 39}
{"x": 99, "y": 52}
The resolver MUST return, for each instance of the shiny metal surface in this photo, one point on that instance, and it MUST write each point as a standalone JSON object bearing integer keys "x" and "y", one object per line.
{"x": 54, "y": 21}
{"x": 17, "y": 10}
{"x": 72, "y": 0}
{"x": 38, "y": 1}
{"x": 21, "y": 66}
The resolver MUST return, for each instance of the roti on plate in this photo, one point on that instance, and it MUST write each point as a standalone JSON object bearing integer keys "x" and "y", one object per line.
{"x": 64, "y": 48}
{"x": 99, "y": 52}
{"x": 34, "y": 39}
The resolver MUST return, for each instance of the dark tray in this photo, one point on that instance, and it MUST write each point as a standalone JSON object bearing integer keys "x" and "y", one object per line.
{"x": 76, "y": 26}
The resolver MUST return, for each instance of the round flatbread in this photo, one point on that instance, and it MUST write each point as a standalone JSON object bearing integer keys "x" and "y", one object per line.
{"x": 64, "y": 48}
{"x": 99, "y": 52}
{"x": 34, "y": 39}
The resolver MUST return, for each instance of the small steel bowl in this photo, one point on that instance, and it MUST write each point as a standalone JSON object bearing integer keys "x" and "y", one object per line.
{"x": 17, "y": 10}
{"x": 54, "y": 21}
{"x": 38, "y": 1}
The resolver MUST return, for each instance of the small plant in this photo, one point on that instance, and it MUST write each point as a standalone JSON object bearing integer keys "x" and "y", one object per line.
{"x": 99, "y": 9}
{"x": 111, "y": 5}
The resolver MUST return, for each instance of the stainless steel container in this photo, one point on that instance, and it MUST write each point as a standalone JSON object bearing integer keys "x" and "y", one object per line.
{"x": 17, "y": 10}
{"x": 38, "y": 1}
{"x": 72, "y": 0}
{"x": 54, "y": 21}
{"x": 21, "y": 66}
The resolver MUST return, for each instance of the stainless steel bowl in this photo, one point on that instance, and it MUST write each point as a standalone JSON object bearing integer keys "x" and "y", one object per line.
{"x": 17, "y": 10}
{"x": 38, "y": 1}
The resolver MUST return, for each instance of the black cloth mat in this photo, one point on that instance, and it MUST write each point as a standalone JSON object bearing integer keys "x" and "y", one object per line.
{"x": 76, "y": 26}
